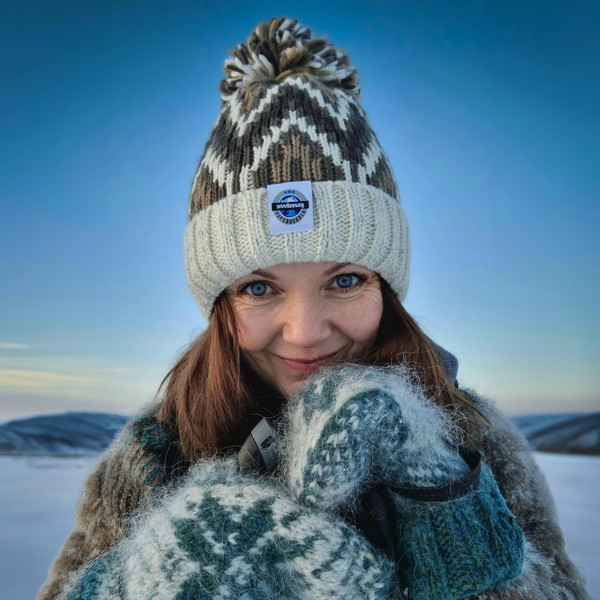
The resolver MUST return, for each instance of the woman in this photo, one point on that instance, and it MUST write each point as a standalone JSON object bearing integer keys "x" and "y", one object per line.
{"x": 390, "y": 482}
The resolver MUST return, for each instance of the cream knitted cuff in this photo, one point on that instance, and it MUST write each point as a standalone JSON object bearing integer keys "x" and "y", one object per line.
{"x": 353, "y": 222}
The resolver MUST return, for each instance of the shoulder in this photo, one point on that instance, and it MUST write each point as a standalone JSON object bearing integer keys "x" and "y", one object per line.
{"x": 499, "y": 435}
{"x": 502, "y": 445}
{"x": 548, "y": 572}
{"x": 127, "y": 478}
{"x": 145, "y": 455}
{"x": 141, "y": 459}
{"x": 519, "y": 478}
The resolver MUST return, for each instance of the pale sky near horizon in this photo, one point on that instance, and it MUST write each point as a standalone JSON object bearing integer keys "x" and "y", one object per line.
{"x": 488, "y": 112}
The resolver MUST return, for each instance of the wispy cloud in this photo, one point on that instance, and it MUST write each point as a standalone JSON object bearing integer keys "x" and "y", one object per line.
{"x": 87, "y": 379}
{"x": 25, "y": 378}
{"x": 13, "y": 346}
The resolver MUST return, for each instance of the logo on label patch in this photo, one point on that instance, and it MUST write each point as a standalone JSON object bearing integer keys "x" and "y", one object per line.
{"x": 290, "y": 206}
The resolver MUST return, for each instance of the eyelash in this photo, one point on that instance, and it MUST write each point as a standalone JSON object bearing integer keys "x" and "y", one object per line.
{"x": 242, "y": 291}
{"x": 361, "y": 280}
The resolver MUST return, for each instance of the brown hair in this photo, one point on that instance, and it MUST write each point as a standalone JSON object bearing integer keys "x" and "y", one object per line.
{"x": 206, "y": 399}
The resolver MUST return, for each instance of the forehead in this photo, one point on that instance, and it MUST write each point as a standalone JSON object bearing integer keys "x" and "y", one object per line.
{"x": 304, "y": 270}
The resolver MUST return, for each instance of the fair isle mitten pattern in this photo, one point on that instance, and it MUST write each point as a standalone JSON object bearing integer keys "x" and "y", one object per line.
{"x": 355, "y": 426}
{"x": 291, "y": 112}
{"x": 224, "y": 536}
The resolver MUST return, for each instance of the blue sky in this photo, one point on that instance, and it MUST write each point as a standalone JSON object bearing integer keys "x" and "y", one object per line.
{"x": 487, "y": 111}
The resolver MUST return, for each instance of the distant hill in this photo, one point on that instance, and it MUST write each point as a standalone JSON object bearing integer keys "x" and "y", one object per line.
{"x": 81, "y": 433}
{"x": 67, "y": 434}
{"x": 565, "y": 433}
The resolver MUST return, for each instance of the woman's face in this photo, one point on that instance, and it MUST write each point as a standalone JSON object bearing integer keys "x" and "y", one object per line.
{"x": 294, "y": 318}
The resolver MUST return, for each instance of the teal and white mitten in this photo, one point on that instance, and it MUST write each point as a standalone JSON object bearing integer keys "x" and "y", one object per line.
{"x": 355, "y": 427}
{"x": 223, "y": 535}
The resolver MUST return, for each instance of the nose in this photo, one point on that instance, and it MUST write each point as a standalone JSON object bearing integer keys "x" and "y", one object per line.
{"x": 304, "y": 322}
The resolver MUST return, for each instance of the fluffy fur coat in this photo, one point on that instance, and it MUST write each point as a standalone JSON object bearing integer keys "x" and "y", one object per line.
{"x": 150, "y": 526}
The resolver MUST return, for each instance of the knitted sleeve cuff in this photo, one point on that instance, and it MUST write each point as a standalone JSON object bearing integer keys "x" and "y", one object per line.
{"x": 450, "y": 491}
{"x": 454, "y": 542}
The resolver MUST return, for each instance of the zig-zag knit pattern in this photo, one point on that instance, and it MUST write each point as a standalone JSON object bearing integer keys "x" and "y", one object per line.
{"x": 223, "y": 536}
{"x": 300, "y": 130}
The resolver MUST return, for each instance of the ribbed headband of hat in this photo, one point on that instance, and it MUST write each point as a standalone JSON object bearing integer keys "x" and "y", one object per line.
{"x": 292, "y": 172}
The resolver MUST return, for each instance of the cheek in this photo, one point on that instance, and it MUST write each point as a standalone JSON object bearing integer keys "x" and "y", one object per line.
{"x": 254, "y": 333}
{"x": 369, "y": 328}
{"x": 361, "y": 323}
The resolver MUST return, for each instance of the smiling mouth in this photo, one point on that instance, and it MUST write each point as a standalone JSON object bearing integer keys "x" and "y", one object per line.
{"x": 303, "y": 365}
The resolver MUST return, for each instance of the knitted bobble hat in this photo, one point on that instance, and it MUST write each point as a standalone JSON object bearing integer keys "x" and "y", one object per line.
{"x": 292, "y": 171}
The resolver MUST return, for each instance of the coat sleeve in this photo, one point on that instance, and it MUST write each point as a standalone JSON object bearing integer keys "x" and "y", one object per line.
{"x": 120, "y": 484}
{"x": 548, "y": 573}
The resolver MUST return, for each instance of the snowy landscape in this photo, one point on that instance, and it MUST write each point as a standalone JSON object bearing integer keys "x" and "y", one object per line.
{"x": 38, "y": 490}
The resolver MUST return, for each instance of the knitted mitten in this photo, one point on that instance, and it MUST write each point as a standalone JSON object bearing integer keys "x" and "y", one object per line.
{"x": 353, "y": 427}
{"x": 223, "y": 535}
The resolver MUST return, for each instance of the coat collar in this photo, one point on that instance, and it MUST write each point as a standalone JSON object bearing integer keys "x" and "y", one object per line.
{"x": 448, "y": 362}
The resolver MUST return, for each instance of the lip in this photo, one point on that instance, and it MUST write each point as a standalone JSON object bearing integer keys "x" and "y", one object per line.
{"x": 304, "y": 365}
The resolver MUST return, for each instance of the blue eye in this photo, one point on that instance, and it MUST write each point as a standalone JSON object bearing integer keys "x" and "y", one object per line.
{"x": 257, "y": 288}
{"x": 346, "y": 280}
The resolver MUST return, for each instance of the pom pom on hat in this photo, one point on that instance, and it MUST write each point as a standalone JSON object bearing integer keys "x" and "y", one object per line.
{"x": 282, "y": 47}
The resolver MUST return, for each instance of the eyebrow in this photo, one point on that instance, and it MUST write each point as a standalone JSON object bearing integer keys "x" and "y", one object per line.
{"x": 336, "y": 268}
{"x": 264, "y": 273}
{"x": 330, "y": 271}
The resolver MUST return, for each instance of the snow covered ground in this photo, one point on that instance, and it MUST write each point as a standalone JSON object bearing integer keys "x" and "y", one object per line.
{"x": 38, "y": 495}
{"x": 575, "y": 484}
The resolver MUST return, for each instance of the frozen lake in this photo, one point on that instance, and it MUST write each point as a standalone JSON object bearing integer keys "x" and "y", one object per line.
{"x": 38, "y": 496}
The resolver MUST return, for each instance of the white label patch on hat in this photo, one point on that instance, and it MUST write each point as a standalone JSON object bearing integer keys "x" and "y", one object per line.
{"x": 290, "y": 207}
